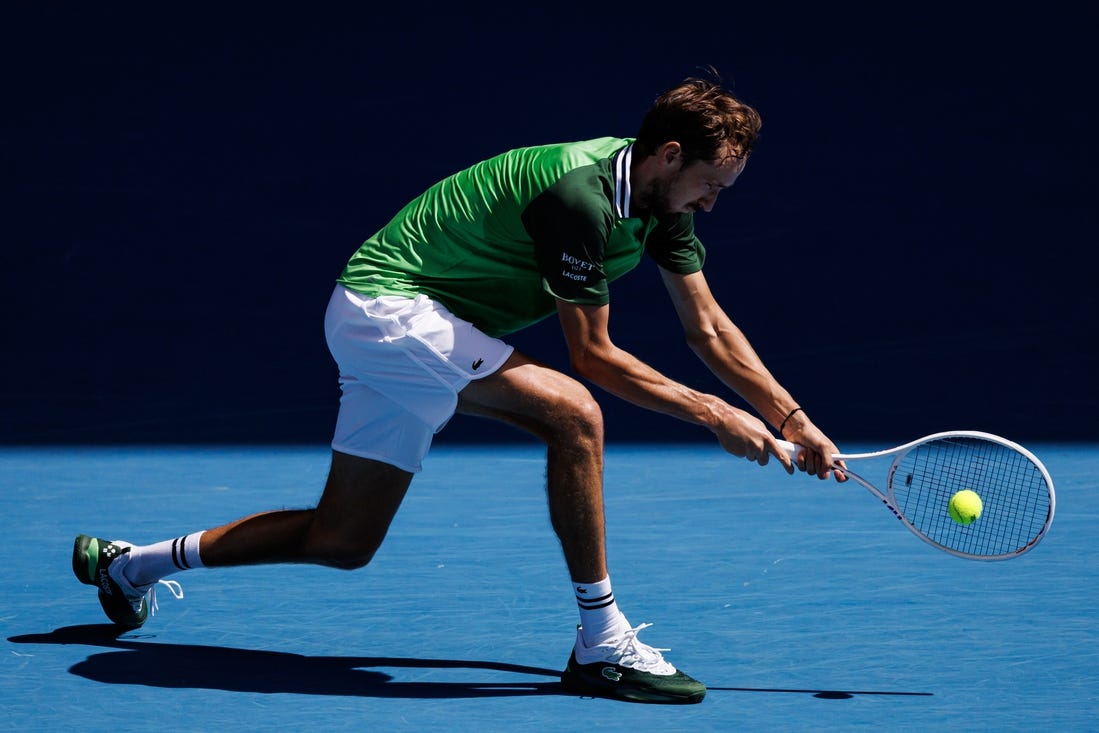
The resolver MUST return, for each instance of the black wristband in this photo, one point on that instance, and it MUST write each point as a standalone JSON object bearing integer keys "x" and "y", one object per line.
{"x": 787, "y": 418}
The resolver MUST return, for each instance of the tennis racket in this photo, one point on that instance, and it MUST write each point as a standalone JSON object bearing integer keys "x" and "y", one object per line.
{"x": 1015, "y": 489}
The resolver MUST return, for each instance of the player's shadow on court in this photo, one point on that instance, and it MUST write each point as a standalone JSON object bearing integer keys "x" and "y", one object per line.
{"x": 136, "y": 662}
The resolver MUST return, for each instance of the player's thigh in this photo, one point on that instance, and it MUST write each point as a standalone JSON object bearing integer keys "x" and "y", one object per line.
{"x": 534, "y": 397}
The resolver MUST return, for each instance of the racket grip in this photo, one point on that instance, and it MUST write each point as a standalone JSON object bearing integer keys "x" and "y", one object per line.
{"x": 790, "y": 448}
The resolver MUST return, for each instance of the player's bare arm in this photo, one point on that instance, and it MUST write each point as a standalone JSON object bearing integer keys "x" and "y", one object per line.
{"x": 595, "y": 357}
{"x": 724, "y": 348}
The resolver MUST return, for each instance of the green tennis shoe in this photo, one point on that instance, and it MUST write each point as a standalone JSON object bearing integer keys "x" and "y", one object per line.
{"x": 627, "y": 669}
{"x": 100, "y": 563}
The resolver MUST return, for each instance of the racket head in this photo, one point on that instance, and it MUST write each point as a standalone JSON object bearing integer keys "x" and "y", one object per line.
{"x": 1016, "y": 491}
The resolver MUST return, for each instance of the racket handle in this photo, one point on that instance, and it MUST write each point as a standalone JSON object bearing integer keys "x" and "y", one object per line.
{"x": 790, "y": 448}
{"x": 792, "y": 451}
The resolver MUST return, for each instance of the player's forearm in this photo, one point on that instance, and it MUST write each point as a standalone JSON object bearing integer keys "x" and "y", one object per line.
{"x": 732, "y": 360}
{"x": 628, "y": 378}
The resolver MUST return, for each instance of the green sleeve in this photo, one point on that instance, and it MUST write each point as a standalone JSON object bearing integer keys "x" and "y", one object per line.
{"x": 674, "y": 246}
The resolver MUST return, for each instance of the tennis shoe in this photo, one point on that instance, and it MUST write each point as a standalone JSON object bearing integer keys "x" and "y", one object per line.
{"x": 100, "y": 563}
{"x": 624, "y": 668}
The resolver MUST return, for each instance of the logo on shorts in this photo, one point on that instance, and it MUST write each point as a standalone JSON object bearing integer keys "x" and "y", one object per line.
{"x": 477, "y": 364}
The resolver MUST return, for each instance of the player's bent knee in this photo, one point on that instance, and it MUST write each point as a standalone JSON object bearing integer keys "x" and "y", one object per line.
{"x": 341, "y": 555}
{"x": 346, "y": 559}
{"x": 581, "y": 422}
{"x": 348, "y": 562}
{"x": 589, "y": 418}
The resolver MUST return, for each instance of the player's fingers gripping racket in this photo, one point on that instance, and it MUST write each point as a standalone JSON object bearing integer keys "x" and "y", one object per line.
{"x": 972, "y": 494}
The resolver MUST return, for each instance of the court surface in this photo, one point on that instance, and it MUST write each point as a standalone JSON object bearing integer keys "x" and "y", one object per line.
{"x": 804, "y": 606}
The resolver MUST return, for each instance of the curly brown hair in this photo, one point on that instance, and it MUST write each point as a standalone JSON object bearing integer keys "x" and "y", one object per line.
{"x": 706, "y": 119}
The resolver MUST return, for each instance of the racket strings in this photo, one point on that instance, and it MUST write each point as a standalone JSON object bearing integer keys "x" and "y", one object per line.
{"x": 1013, "y": 492}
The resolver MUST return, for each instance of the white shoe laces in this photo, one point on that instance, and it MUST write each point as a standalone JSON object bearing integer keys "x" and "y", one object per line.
{"x": 135, "y": 594}
{"x": 173, "y": 587}
{"x": 635, "y": 654}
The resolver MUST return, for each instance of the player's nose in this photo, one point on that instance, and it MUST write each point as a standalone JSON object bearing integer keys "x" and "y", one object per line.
{"x": 706, "y": 203}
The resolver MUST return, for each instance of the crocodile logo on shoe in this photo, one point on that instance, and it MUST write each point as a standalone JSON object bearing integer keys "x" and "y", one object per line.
{"x": 611, "y": 674}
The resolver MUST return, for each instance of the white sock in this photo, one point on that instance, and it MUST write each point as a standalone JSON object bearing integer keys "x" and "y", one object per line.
{"x": 150, "y": 563}
{"x": 600, "y": 618}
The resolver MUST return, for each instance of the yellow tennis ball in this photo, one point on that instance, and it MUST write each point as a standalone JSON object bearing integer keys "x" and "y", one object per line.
{"x": 965, "y": 506}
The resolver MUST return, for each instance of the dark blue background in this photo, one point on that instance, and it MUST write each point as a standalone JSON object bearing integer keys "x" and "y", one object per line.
{"x": 910, "y": 248}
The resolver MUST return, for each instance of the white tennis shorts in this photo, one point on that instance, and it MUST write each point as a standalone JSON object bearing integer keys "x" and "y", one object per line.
{"x": 402, "y": 363}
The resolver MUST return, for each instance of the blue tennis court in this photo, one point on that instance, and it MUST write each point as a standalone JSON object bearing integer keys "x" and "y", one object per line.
{"x": 816, "y": 611}
{"x": 182, "y": 188}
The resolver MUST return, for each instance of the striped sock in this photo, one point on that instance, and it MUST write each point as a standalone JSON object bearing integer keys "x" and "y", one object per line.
{"x": 150, "y": 563}
{"x": 600, "y": 618}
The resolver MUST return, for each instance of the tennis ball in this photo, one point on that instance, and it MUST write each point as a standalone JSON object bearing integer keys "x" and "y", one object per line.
{"x": 965, "y": 506}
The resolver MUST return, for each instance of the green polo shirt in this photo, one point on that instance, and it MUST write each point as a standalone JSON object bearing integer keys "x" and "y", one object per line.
{"x": 500, "y": 242}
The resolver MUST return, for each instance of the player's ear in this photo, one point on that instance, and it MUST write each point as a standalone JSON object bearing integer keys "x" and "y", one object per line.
{"x": 670, "y": 152}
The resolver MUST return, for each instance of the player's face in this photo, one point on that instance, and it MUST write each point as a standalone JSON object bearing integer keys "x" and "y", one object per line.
{"x": 690, "y": 187}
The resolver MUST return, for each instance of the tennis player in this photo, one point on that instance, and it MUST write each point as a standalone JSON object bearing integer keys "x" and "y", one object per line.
{"x": 416, "y": 322}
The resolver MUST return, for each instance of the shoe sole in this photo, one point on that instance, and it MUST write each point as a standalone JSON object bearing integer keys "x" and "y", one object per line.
{"x": 85, "y": 562}
{"x": 579, "y": 684}
{"x": 85, "y": 558}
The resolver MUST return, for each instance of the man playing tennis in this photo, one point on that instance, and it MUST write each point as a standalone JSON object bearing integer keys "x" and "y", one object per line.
{"x": 415, "y": 324}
